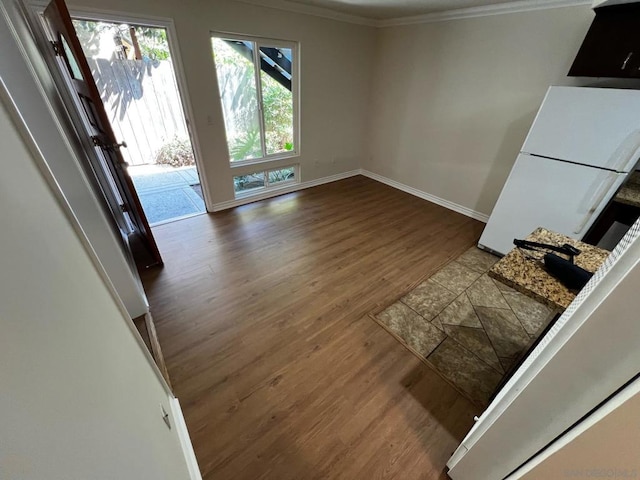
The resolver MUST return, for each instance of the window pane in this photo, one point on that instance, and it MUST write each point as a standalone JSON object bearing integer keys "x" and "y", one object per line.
{"x": 237, "y": 85}
{"x": 282, "y": 175}
{"x": 72, "y": 63}
{"x": 277, "y": 98}
{"x": 246, "y": 183}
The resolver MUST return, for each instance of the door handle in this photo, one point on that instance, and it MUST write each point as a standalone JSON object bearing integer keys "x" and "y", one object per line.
{"x": 596, "y": 203}
{"x": 625, "y": 153}
{"x": 97, "y": 141}
{"x": 626, "y": 60}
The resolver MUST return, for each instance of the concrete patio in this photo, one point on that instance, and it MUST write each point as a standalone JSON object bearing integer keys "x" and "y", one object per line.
{"x": 168, "y": 193}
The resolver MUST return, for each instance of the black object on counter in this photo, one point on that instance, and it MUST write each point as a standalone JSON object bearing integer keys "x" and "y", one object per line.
{"x": 565, "y": 249}
{"x": 570, "y": 275}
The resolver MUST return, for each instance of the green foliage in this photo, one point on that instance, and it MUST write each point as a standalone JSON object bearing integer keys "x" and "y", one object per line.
{"x": 88, "y": 33}
{"x": 152, "y": 41}
{"x": 236, "y": 81}
{"x": 248, "y": 182}
{"x": 176, "y": 153}
{"x": 281, "y": 175}
{"x": 256, "y": 180}
{"x": 246, "y": 146}
{"x": 224, "y": 55}
{"x": 245, "y": 100}
{"x": 278, "y": 115}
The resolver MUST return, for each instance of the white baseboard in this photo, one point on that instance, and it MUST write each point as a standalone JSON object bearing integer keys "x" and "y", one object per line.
{"x": 281, "y": 191}
{"x": 185, "y": 441}
{"x": 374, "y": 176}
{"x": 427, "y": 196}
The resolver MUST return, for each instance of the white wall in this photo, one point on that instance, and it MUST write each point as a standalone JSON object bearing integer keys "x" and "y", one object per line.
{"x": 336, "y": 61}
{"x": 453, "y": 101}
{"x": 46, "y": 122}
{"x": 80, "y": 399}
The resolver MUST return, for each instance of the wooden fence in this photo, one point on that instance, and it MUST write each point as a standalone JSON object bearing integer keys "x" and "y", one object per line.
{"x": 142, "y": 101}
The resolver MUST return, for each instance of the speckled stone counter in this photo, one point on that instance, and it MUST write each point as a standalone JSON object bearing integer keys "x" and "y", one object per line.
{"x": 520, "y": 271}
{"x": 629, "y": 194}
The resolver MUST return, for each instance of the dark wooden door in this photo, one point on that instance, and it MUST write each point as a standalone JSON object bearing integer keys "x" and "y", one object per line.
{"x": 74, "y": 66}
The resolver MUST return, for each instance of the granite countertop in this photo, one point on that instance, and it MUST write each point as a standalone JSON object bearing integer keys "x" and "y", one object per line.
{"x": 518, "y": 270}
{"x": 629, "y": 194}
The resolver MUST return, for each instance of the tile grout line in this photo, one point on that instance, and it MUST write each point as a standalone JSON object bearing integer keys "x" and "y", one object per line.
{"x": 477, "y": 269}
{"x": 490, "y": 341}
{"x": 486, "y": 272}
{"x": 510, "y": 307}
{"x": 438, "y": 283}
{"x": 464, "y": 292}
{"x": 436, "y": 348}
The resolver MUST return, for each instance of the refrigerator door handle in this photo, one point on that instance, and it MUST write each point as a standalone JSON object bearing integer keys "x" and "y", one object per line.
{"x": 599, "y": 198}
{"x": 626, "y": 152}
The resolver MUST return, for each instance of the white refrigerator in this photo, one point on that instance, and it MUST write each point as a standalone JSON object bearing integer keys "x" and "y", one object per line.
{"x": 582, "y": 145}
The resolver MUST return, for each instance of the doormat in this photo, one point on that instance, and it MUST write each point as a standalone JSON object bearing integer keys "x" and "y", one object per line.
{"x": 198, "y": 189}
{"x": 468, "y": 327}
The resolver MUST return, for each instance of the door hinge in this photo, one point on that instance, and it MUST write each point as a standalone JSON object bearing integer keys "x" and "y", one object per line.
{"x": 57, "y": 48}
{"x": 124, "y": 208}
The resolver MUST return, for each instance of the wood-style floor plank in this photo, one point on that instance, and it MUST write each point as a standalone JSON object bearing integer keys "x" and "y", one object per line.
{"x": 262, "y": 314}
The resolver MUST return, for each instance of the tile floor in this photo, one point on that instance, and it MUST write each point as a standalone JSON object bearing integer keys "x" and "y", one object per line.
{"x": 167, "y": 193}
{"x": 470, "y": 328}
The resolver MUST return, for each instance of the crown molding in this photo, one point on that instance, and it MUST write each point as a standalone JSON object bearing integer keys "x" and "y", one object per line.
{"x": 471, "y": 12}
{"x": 313, "y": 10}
{"x": 483, "y": 11}
{"x": 608, "y": 3}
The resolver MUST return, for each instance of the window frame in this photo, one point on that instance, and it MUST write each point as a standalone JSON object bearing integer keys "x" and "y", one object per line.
{"x": 295, "y": 93}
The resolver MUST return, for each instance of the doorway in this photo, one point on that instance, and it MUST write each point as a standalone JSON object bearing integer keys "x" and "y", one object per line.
{"x": 135, "y": 75}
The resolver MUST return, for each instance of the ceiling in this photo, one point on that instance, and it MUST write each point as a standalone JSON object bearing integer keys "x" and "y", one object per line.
{"x": 389, "y": 9}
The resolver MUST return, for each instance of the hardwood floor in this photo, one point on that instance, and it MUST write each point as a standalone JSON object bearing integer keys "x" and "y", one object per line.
{"x": 261, "y": 312}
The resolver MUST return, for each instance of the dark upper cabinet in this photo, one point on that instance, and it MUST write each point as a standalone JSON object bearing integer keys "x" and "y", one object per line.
{"x": 612, "y": 45}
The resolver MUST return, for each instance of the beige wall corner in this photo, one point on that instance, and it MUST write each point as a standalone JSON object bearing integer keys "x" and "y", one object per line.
{"x": 455, "y": 99}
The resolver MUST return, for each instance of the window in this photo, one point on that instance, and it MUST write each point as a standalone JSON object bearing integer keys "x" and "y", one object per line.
{"x": 258, "y": 90}
{"x": 251, "y": 183}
